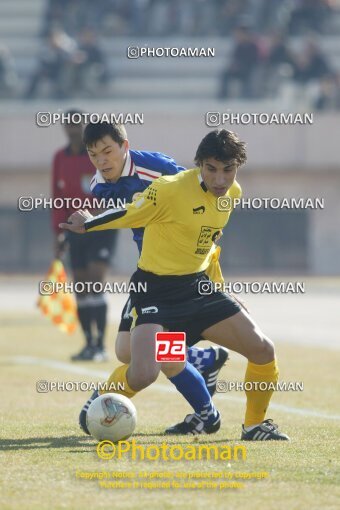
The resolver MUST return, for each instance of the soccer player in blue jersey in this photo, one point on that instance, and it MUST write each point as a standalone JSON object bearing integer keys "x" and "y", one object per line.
{"x": 123, "y": 174}
{"x": 186, "y": 241}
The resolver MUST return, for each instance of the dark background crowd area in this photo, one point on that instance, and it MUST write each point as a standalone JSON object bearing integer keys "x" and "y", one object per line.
{"x": 260, "y": 35}
{"x": 189, "y": 17}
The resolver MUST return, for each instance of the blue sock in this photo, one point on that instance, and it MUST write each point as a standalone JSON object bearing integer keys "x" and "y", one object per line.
{"x": 192, "y": 386}
{"x": 201, "y": 358}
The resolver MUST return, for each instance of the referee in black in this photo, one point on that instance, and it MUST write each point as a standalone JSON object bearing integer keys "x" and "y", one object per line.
{"x": 89, "y": 255}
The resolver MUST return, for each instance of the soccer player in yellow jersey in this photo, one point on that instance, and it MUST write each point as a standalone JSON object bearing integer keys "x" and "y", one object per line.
{"x": 182, "y": 221}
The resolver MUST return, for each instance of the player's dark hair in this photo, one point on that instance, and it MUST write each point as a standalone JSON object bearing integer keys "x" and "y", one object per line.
{"x": 96, "y": 131}
{"x": 222, "y": 145}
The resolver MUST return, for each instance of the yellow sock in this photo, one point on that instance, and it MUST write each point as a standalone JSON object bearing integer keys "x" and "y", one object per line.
{"x": 119, "y": 376}
{"x": 257, "y": 400}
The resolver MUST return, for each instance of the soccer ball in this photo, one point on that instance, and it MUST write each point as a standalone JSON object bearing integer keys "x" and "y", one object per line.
{"x": 111, "y": 416}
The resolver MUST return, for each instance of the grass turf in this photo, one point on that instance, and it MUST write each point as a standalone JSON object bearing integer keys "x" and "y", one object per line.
{"x": 43, "y": 448}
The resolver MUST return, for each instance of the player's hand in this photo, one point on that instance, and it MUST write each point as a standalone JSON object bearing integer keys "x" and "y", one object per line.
{"x": 76, "y": 221}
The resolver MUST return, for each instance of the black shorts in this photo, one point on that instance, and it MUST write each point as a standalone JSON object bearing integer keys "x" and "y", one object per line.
{"x": 91, "y": 247}
{"x": 126, "y": 318}
{"x": 126, "y": 321}
{"x": 175, "y": 303}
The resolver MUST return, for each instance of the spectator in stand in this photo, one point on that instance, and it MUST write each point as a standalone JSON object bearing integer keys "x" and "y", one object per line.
{"x": 244, "y": 61}
{"x": 89, "y": 255}
{"x": 229, "y": 13}
{"x": 92, "y": 69}
{"x": 54, "y": 15}
{"x": 329, "y": 94}
{"x": 71, "y": 15}
{"x": 278, "y": 52}
{"x": 57, "y": 59}
{"x": 310, "y": 65}
{"x": 8, "y": 75}
{"x": 278, "y": 64}
{"x": 309, "y": 15}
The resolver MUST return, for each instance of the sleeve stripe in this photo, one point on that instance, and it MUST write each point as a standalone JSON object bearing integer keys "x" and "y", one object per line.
{"x": 148, "y": 173}
{"x": 131, "y": 171}
{"x": 106, "y": 217}
{"x": 146, "y": 178}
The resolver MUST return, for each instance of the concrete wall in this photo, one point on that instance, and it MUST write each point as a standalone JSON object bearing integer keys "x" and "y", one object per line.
{"x": 273, "y": 147}
{"x": 283, "y": 161}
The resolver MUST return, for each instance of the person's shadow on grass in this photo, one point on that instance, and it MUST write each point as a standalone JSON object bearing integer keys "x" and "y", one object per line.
{"x": 85, "y": 443}
{"x": 34, "y": 443}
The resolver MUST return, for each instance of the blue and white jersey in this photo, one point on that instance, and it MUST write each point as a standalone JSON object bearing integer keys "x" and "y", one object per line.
{"x": 140, "y": 170}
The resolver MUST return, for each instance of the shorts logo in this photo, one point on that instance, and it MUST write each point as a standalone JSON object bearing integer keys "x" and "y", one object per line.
{"x": 199, "y": 210}
{"x": 170, "y": 346}
{"x": 150, "y": 309}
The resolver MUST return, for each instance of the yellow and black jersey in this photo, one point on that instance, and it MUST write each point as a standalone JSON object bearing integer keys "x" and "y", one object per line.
{"x": 181, "y": 220}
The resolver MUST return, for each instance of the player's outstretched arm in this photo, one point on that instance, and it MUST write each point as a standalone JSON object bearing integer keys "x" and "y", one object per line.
{"x": 76, "y": 221}
{"x": 151, "y": 207}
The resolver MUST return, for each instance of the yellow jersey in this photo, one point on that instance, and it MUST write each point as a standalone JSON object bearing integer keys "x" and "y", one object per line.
{"x": 182, "y": 222}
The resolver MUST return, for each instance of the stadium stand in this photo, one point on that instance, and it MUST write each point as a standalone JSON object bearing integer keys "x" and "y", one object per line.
{"x": 157, "y": 77}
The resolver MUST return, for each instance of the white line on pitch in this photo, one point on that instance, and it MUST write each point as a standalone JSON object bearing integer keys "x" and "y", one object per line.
{"x": 68, "y": 367}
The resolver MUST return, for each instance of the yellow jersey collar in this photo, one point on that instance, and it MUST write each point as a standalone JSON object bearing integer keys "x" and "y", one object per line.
{"x": 201, "y": 181}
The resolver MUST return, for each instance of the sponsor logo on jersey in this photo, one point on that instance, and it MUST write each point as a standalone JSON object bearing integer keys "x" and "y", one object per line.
{"x": 207, "y": 236}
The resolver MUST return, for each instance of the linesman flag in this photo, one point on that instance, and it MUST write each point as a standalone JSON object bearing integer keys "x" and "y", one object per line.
{"x": 54, "y": 302}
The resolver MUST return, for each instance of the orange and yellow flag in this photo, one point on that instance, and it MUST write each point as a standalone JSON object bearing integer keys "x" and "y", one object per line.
{"x": 58, "y": 305}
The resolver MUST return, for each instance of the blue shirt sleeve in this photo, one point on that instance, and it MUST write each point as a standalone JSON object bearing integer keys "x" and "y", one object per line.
{"x": 156, "y": 161}
{"x": 111, "y": 191}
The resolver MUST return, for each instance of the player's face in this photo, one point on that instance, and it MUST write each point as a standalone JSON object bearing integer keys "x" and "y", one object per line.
{"x": 218, "y": 176}
{"x": 109, "y": 157}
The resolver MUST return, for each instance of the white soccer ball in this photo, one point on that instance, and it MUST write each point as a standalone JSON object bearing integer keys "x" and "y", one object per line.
{"x": 111, "y": 416}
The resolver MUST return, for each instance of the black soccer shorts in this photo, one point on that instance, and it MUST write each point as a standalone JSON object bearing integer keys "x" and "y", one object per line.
{"x": 91, "y": 247}
{"x": 180, "y": 303}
